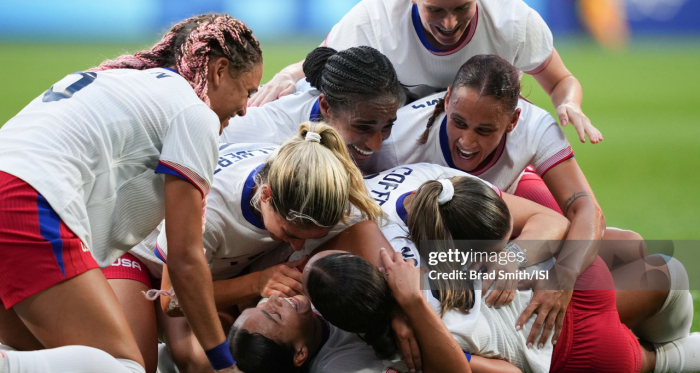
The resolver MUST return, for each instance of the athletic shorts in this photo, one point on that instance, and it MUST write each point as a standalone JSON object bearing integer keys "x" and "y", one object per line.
{"x": 593, "y": 338}
{"x": 128, "y": 267}
{"x": 38, "y": 250}
{"x": 532, "y": 187}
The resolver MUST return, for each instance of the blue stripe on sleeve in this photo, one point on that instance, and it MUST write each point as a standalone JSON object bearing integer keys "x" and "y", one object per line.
{"x": 50, "y": 229}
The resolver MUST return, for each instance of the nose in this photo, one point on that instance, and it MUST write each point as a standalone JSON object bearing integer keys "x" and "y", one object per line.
{"x": 450, "y": 22}
{"x": 242, "y": 112}
{"x": 374, "y": 143}
{"x": 468, "y": 139}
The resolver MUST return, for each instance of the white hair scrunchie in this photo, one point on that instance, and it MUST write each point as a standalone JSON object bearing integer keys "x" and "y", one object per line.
{"x": 312, "y": 136}
{"x": 448, "y": 191}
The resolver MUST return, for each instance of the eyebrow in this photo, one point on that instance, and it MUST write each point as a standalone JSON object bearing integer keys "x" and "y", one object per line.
{"x": 269, "y": 317}
{"x": 478, "y": 125}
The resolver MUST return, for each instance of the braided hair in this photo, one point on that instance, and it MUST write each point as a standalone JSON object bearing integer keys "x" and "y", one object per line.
{"x": 489, "y": 76}
{"x": 354, "y": 75}
{"x": 189, "y": 45}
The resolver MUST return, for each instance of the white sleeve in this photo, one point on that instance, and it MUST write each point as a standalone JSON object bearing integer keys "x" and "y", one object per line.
{"x": 552, "y": 148}
{"x": 190, "y": 148}
{"x": 265, "y": 124}
{"x": 535, "y": 52}
{"x": 354, "y": 29}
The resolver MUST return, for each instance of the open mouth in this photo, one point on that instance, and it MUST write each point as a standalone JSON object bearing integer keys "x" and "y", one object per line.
{"x": 447, "y": 32}
{"x": 293, "y": 302}
{"x": 366, "y": 153}
{"x": 466, "y": 155}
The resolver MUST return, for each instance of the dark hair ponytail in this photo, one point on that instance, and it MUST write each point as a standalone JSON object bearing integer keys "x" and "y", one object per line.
{"x": 255, "y": 353}
{"x": 476, "y": 212}
{"x": 353, "y": 295}
{"x": 489, "y": 76}
{"x": 351, "y": 76}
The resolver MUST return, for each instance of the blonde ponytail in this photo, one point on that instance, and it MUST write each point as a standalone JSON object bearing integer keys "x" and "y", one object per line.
{"x": 313, "y": 180}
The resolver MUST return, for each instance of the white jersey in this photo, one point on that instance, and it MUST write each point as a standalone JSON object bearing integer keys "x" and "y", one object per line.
{"x": 233, "y": 236}
{"x": 484, "y": 331}
{"x": 91, "y": 143}
{"x": 275, "y": 122}
{"x": 536, "y": 140}
{"x": 507, "y": 28}
{"x": 278, "y": 121}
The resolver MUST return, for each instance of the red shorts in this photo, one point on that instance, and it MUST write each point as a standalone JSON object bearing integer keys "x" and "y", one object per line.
{"x": 593, "y": 338}
{"x": 128, "y": 267}
{"x": 532, "y": 187}
{"x": 38, "y": 250}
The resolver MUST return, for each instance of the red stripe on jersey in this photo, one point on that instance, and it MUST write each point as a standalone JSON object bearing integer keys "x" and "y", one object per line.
{"x": 542, "y": 66}
{"x": 190, "y": 175}
{"x": 554, "y": 160}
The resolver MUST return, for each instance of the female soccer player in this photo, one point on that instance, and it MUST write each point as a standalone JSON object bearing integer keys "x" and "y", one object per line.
{"x": 428, "y": 40}
{"x": 483, "y": 128}
{"x": 264, "y": 195}
{"x": 465, "y": 208}
{"x": 529, "y": 218}
{"x": 356, "y": 92}
{"x": 78, "y": 189}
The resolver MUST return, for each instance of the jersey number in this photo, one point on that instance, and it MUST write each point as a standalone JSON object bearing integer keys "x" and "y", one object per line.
{"x": 84, "y": 81}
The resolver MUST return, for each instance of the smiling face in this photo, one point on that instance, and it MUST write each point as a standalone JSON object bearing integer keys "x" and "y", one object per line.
{"x": 445, "y": 21}
{"x": 364, "y": 128}
{"x": 475, "y": 126}
{"x": 228, "y": 95}
{"x": 288, "y": 321}
{"x": 282, "y": 230}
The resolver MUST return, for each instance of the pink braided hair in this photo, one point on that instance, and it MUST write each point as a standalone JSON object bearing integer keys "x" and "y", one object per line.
{"x": 192, "y": 56}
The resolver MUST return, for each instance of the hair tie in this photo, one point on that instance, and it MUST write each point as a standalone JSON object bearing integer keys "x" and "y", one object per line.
{"x": 312, "y": 136}
{"x": 448, "y": 191}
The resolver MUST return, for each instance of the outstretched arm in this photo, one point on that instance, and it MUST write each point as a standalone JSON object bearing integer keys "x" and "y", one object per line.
{"x": 566, "y": 94}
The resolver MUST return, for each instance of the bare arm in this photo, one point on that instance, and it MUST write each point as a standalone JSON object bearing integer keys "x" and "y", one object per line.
{"x": 188, "y": 269}
{"x": 566, "y": 94}
{"x": 484, "y": 365}
{"x": 576, "y": 200}
{"x": 440, "y": 352}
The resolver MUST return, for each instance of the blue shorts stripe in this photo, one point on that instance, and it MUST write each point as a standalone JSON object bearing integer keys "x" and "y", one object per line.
{"x": 50, "y": 228}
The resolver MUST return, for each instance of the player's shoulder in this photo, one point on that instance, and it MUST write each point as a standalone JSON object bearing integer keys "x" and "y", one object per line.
{"x": 505, "y": 15}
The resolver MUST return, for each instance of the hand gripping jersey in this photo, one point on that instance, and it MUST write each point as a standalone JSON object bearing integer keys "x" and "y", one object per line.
{"x": 507, "y": 28}
{"x": 93, "y": 143}
{"x": 536, "y": 140}
{"x": 484, "y": 331}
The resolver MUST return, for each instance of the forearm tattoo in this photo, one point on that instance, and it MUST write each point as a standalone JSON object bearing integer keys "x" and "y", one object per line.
{"x": 569, "y": 202}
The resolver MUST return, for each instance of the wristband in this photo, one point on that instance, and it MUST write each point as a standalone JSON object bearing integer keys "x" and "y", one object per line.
{"x": 220, "y": 357}
{"x": 513, "y": 247}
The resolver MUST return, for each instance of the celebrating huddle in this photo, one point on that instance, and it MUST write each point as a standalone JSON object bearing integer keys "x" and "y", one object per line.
{"x": 171, "y": 217}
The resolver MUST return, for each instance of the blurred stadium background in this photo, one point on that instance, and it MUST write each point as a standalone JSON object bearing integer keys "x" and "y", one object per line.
{"x": 645, "y": 98}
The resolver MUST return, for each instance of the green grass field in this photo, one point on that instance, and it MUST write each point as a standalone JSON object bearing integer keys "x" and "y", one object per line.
{"x": 645, "y": 101}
